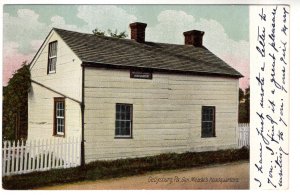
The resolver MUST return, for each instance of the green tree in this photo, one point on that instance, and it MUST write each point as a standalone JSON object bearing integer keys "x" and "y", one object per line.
{"x": 247, "y": 103}
{"x": 244, "y": 105}
{"x": 97, "y": 32}
{"x": 241, "y": 94}
{"x": 15, "y": 104}
{"x": 110, "y": 33}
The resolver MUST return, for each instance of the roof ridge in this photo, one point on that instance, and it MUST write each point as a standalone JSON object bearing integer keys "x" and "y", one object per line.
{"x": 55, "y": 28}
{"x": 91, "y": 34}
{"x": 130, "y": 40}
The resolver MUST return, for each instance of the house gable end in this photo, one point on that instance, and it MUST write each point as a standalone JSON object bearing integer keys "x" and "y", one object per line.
{"x": 66, "y": 78}
{"x": 44, "y": 47}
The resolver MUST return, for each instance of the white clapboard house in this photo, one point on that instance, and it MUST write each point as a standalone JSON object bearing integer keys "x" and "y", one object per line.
{"x": 131, "y": 98}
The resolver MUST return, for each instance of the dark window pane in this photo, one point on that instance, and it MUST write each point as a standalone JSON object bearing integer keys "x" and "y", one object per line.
{"x": 127, "y": 131}
{"x": 118, "y": 108}
{"x": 123, "y": 116}
{"x": 205, "y": 117}
{"x": 53, "y": 63}
{"x": 128, "y": 124}
{"x": 123, "y": 128}
{"x": 123, "y": 124}
{"x": 123, "y": 108}
{"x": 127, "y": 115}
{"x": 210, "y": 116}
{"x": 207, "y": 129}
{"x": 52, "y": 49}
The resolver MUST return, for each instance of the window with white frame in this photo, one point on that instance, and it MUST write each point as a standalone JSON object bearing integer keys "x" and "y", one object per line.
{"x": 208, "y": 121}
{"x": 59, "y": 116}
{"x": 123, "y": 123}
{"x": 52, "y": 57}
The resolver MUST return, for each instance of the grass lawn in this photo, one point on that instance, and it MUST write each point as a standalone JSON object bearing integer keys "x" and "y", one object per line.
{"x": 123, "y": 167}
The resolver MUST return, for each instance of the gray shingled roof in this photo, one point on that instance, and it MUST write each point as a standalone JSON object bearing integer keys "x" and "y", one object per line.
{"x": 160, "y": 56}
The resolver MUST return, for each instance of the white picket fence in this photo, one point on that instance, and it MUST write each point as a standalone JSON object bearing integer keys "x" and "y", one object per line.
{"x": 244, "y": 134}
{"x": 20, "y": 157}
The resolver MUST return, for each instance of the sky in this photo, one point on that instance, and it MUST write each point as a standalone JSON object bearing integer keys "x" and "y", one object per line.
{"x": 226, "y": 28}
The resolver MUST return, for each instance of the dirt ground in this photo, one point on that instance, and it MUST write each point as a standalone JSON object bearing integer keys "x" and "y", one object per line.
{"x": 226, "y": 176}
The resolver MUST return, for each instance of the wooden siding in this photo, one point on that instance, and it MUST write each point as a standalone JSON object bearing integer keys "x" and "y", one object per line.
{"x": 166, "y": 113}
{"x": 40, "y": 112}
{"x": 66, "y": 80}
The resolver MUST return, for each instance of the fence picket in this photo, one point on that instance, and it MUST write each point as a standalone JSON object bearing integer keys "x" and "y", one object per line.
{"x": 4, "y": 163}
{"x": 17, "y": 156}
{"x": 47, "y": 155}
{"x": 33, "y": 154}
{"x": 13, "y": 157}
{"x": 54, "y": 153}
{"x": 64, "y": 153}
{"x": 9, "y": 158}
{"x": 78, "y": 151}
{"x": 26, "y": 166}
{"x": 72, "y": 152}
{"x": 38, "y": 167}
{"x": 68, "y": 152}
{"x": 59, "y": 152}
{"x": 22, "y": 156}
{"x": 42, "y": 154}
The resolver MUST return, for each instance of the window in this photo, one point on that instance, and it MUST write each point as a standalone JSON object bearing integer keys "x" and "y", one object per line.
{"x": 123, "y": 121}
{"x": 52, "y": 56}
{"x": 59, "y": 116}
{"x": 208, "y": 121}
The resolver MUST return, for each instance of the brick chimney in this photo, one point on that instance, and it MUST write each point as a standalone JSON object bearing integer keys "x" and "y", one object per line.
{"x": 193, "y": 37}
{"x": 138, "y": 31}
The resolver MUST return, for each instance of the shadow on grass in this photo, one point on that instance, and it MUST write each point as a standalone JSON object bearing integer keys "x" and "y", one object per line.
{"x": 123, "y": 167}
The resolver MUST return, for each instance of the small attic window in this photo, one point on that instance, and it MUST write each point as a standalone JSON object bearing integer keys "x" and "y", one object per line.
{"x": 52, "y": 57}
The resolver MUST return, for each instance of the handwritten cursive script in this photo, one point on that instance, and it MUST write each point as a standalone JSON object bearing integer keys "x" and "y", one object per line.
{"x": 269, "y": 130}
